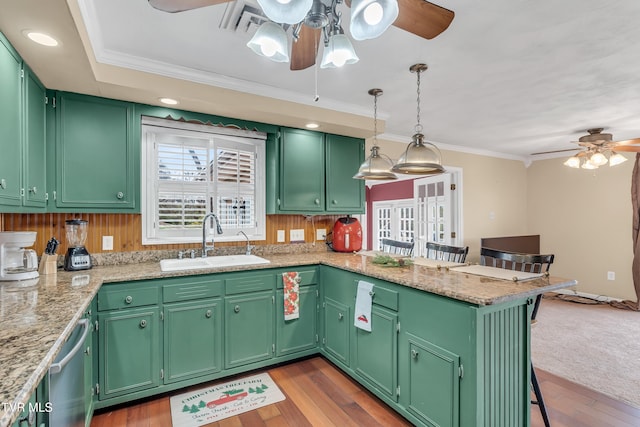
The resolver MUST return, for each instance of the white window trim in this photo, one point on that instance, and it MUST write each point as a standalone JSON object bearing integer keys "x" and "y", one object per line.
{"x": 149, "y": 204}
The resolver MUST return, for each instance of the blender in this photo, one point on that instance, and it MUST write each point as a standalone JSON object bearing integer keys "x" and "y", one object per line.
{"x": 77, "y": 257}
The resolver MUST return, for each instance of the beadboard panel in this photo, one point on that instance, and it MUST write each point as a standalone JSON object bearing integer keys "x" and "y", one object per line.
{"x": 126, "y": 230}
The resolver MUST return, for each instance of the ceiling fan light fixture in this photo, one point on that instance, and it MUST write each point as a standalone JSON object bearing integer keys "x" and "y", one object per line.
{"x": 588, "y": 165}
{"x": 616, "y": 159}
{"x": 285, "y": 11}
{"x": 573, "y": 162}
{"x": 271, "y": 42}
{"x": 598, "y": 159}
{"x": 338, "y": 52}
{"x": 371, "y": 18}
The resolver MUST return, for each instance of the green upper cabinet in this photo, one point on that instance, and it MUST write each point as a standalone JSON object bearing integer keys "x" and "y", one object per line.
{"x": 35, "y": 137}
{"x": 10, "y": 125}
{"x": 315, "y": 173}
{"x": 96, "y": 165}
{"x": 344, "y": 156}
{"x": 301, "y": 177}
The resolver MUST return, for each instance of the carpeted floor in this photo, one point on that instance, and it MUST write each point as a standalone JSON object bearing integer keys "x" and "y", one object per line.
{"x": 591, "y": 344}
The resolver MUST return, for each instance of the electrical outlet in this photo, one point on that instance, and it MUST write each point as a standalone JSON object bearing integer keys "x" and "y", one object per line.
{"x": 296, "y": 236}
{"x": 280, "y": 236}
{"x": 611, "y": 275}
{"x": 321, "y": 234}
{"x": 107, "y": 243}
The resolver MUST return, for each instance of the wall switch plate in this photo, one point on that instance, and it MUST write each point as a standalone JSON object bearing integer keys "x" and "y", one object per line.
{"x": 321, "y": 234}
{"x": 296, "y": 236}
{"x": 107, "y": 243}
{"x": 280, "y": 238}
{"x": 611, "y": 275}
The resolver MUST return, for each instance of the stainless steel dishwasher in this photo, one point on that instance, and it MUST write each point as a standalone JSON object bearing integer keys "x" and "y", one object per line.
{"x": 66, "y": 381}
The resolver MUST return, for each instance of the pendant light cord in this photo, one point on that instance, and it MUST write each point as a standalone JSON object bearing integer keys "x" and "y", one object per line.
{"x": 375, "y": 120}
{"x": 418, "y": 127}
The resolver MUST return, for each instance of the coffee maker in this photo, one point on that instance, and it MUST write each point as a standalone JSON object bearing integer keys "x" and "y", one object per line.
{"x": 16, "y": 262}
{"x": 77, "y": 257}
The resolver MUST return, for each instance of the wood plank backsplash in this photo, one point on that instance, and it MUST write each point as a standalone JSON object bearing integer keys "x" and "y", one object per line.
{"x": 126, "y": 229}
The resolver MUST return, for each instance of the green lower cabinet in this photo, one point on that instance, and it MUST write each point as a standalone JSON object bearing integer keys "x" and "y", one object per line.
{"x": 248, "y": 329}
{"x": 130, "y": 351}
{"x": 375, "y": 356}
{"x": 296, "y": 335}
{"x": 434, "y": 383}
{"x": 337, "y": 325}
{"x": 89, "y": 349}
{"x": 192, "y": 339}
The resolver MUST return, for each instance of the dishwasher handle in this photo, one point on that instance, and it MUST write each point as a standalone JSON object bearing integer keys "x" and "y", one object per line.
{"x": 57, "y": 367}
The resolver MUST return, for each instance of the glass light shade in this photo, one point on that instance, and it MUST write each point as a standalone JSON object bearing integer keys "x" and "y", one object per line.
{"x": 598, "y": 159}
{"x": 589, "y": 165}
{"x": 338, "y": 52}
{"x": 285, "y": 11}
{"x": 376, "y": 167}
{"x": 371, "y": 18}
{"x": 419, "y": 158}
{"x": 573, "y": 162}
{"x": 271, "y": 42}
{"x": 616, "y": 158}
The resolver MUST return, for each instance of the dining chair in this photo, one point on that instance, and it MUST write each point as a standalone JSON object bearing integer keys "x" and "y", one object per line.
{"x": 532, "y": 263}
{"x": 442, "y": 252}
{"x": 397, "y": 247}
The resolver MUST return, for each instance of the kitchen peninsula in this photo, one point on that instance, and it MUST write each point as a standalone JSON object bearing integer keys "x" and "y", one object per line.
{"x": 471, "y": 333}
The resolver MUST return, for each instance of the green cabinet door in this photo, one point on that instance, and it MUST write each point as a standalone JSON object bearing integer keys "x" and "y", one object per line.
{"x": 344, "y": 156}
{"x": 10, "y": 125}
{"x": 192, "y": 339}
{"x": 375, "y": 356}
{"x": 35, "y": 141}
{"x": 434, "y": 380}
{"x": 95, "y": 154}
{"x": 130, "y": 351}
{"x": 248, "y": 328}
{"x": 337, "y": 321}
{"x": 302, "y": 167}
{"x": 296, "y": 335}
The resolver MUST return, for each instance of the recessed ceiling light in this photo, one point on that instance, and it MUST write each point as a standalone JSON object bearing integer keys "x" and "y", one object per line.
{"x": 168, "y": 101}
{"x": 41, "y": 38}
{"x": 312, "y": 126}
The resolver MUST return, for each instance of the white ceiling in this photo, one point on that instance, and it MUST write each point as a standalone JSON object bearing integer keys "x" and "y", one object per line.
{"x": 508, "y": 76}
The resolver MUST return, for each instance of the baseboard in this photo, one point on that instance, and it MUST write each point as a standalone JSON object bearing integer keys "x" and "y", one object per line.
{"x": 600, "y": 298}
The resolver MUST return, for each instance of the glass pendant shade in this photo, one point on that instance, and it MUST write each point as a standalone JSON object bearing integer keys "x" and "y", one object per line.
{"x": 589, "y": 165}
{"x": 598, "y": 159}
{"x": 271, "y": 42}
{"x": 616, "y": 158}
{"x": 376, "y": 167}
{"x": 285, "y": 11}
{"x": 573, "y": 162}
{"x": 338, "y": 52}
{"x": 419, "y": 158}
{"x": 371, "y": 18}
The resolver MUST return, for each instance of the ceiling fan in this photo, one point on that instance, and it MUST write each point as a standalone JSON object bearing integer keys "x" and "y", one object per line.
{"x": 596, "y": 146}
{"x": 310, "y": 18}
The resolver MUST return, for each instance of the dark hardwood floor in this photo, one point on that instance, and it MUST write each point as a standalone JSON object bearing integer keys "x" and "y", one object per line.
{"x": 318, "y": 394}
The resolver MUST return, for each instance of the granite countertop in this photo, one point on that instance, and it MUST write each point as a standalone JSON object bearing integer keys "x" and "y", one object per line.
{"x": 38, "y": 317}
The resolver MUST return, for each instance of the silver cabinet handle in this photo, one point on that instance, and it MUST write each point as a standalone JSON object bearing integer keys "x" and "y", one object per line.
{"x": 33, "y": 190}
{"x": 57, "y": 367}
{"x": 236, "y": 309}
{"x": 120, "y": 195}
{"x": 334, "y": 201}
{"x": 3, "y": 183}
{"x": 128, "y": 299}
{"x": 208, "y": 314}
{"x": 143, "y": 323}
{"x": 340, "y": 316}
{"x": 414, "y": 354}
{"x": 298, "y": 280}
{"x": 316, "y": 201}
{"x": 88, "y": 351}
{"x": 372, "y": 294}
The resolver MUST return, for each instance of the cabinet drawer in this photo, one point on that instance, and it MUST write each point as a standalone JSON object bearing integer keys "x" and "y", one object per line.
{"x": 307, "y": 277}
{"x": 193, "y": 289}
{"x": 114, "y": 297}
{"x": 250, "y": 283}
{"x": 383, "y": 297}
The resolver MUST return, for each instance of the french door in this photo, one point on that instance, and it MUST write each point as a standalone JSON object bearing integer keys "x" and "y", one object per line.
{"x": 393, "y": 219}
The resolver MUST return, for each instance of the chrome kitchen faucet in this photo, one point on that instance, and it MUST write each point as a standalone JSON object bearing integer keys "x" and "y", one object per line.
{"x": 206, "y": 248}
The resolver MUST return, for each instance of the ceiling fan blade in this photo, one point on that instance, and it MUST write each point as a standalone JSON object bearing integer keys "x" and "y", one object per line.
{"x": 556, "y": 151}
{"x": 633, "y": 141}
{"x": 627, "y": 148}
{"x": 173, "y": 6}
{"x": 422, "y": 18}
{"x": 305, "y": 50}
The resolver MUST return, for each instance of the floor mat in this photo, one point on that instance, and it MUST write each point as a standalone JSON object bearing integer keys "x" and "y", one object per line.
{"x": 220, "y": 401}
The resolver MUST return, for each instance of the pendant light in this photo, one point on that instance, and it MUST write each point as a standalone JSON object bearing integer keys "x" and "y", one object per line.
{"x": 371, "y": 18}
{"x": 420, "y": 157}
{"x": 377, "y": 166}
{"x": 271, "y": 42}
